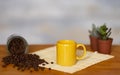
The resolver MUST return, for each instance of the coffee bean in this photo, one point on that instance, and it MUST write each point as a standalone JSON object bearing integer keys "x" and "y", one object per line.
{"x": 46, "y": 62}
{"x": 49, "y": 68}
{"x": 52, "y": 62}
{"x": 16, "y": 46}
{"x": 25, "y": 61}
{"x": 43, "y": 64}
{"x": 20, "y": 59}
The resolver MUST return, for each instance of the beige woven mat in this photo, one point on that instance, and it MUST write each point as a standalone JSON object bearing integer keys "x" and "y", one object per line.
{"x": 49, "y": 54}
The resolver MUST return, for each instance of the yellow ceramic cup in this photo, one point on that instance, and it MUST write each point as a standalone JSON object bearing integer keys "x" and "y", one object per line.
{"x": 66, "y": 52}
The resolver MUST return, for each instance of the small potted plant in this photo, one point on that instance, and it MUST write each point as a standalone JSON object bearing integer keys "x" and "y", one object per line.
{"x": 104, "y": 41}
{"x": 94, "y": 35}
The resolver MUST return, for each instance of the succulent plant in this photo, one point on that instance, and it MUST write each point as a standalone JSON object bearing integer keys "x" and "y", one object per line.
{"x": 104, "y": 32}
{"x": 94, "y": 31}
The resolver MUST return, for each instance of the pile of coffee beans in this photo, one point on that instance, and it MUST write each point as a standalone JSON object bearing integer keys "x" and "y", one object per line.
{"x": 25, "y": 62}
{"x": 16, "y": 45}
{"x": 21, "y": 60}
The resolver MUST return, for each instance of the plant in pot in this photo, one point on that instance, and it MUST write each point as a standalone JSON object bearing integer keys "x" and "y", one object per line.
{"x": 94, "y": 35}
{"x": 104, "y": 41}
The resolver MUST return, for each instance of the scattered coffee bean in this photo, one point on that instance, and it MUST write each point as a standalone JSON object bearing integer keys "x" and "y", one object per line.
{"x": 52, "y": 62}
{"x": 49, "y": 68}
{"x": 46, "y": 62}
{"x": 43, "y": 64}
{"x": 24, "y": 61}
{"x": 20, "y": 59}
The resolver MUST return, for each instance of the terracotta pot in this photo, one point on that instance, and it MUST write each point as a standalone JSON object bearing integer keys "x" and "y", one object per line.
{"x": 93, "y": 43}
{"x": 104, "y": 46}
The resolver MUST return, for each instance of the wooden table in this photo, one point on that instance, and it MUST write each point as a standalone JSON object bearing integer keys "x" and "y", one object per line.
{"x": 108, "y": 67}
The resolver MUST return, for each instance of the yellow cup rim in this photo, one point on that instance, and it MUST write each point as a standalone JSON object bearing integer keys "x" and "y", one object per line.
{"x": 66, "y": 41}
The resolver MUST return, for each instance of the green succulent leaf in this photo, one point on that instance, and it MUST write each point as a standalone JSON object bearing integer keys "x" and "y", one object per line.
{"x": 104, "y": 32}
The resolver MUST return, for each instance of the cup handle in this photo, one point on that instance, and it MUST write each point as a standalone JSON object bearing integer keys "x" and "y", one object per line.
{"x": 84, "y": 51}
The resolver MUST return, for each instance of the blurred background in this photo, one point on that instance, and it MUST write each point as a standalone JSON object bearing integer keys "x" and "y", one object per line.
{"x": 46, "y": 21}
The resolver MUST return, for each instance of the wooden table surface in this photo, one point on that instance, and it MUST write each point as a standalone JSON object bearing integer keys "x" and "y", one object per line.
{"x": 108, "y": 67}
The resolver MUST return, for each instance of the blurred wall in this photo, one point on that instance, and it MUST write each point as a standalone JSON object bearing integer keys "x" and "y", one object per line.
{"x": 46, "y": 21}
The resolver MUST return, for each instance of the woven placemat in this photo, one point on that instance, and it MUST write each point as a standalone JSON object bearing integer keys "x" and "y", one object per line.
{"x": 49, "y": 54}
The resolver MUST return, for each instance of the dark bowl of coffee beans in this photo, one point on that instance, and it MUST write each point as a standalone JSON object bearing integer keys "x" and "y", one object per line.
{"x": 17, "y": 45}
